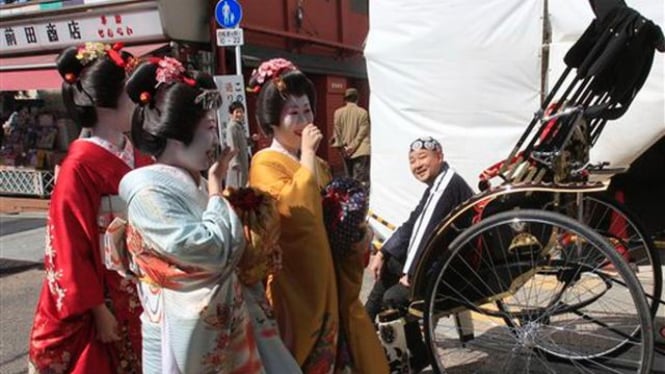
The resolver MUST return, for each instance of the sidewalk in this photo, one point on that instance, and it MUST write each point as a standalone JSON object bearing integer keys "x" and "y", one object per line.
{"x": 21, "y": 241}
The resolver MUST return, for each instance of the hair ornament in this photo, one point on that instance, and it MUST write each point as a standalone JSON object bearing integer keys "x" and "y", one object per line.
{"x": 271, "y": 69}
{"x": 115, "y": 56}
{"x": 70, "y": 78}
{"x": 131, "y": 64}
{"x": 145, "y": 97}
{"x": 279, "y": 84}
{"x": 90, "y": 51}
{"x": 209, "y": 99}
{"x": 188, "y": 81}
{"x": 169, "y": 70}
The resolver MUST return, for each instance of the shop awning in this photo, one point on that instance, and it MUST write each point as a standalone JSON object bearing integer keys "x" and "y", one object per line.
{"x": 40, "y": 79}
{"x": 38, "y": 72}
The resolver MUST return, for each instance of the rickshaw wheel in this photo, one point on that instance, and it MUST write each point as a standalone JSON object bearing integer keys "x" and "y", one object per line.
{"x": 531, "y": 290}
{"x": 625, "y": 233}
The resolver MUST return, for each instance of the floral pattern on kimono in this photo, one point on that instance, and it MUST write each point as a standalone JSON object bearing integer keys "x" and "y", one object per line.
{"x": 184, "y": 248}
{"x": 63, "y": 337}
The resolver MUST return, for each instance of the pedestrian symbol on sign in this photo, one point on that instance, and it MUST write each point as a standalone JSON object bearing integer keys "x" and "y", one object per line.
{"x": 228, "y": 13}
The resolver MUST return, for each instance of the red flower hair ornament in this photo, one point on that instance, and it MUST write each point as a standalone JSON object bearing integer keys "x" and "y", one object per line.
{"x": 271, "y": 69}
{"x": 90, "y": 51}
{"x": 170, "y": 70}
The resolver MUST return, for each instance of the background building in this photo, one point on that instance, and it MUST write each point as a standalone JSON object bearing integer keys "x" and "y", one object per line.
{"x": 324, "y": 38}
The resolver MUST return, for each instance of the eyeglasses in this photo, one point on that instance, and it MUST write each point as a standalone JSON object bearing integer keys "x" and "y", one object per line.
{"x": 427, "y": 143}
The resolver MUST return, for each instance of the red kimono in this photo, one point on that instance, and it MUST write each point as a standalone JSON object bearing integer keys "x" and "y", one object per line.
{"x": 63, "y": 337}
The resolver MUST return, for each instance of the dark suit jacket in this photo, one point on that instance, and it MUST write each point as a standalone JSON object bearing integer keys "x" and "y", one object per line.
{"x": 456, "y": 192}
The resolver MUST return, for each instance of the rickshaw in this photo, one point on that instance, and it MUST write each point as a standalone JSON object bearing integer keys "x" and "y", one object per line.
{"x": 540, "y": 273}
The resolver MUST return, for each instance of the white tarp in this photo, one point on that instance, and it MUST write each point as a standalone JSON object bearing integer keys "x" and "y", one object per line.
{"x": 468, "y": 72}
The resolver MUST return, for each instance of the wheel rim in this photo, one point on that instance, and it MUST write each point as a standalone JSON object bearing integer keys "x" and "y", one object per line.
{"x": 626, "y": 236}
{"x": 523, "y": 322}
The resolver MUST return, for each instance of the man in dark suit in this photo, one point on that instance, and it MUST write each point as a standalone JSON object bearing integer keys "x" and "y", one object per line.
{"x": 393, "y": 264}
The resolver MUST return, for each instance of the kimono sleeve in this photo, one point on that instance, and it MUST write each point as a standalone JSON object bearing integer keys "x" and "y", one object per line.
{"x": 166, "y": 221}
{"x": 298, "y": 189}
{"x": 72, "y": 263}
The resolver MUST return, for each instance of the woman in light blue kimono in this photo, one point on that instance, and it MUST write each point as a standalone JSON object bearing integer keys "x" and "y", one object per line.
{"x": 185, "y": 240}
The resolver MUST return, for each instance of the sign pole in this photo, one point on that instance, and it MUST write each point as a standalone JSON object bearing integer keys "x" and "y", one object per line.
{"x": 238, "y": 61}
{"x": 228, "y": 14}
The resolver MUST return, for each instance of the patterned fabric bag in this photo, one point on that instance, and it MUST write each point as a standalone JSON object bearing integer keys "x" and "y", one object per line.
{"x": 345, "y": 206}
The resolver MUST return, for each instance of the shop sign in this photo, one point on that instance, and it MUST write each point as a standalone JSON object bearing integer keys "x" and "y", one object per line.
{"x": 139, "y": 25}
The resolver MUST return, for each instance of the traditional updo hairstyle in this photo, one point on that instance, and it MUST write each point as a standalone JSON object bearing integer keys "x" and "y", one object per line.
{"x": 94, "y": 76}
{"x": 274, "y": 81}
{"x": 171, "y": 102}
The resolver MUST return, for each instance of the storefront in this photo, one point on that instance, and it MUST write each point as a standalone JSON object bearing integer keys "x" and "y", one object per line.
{"x": 36, "y": 131}
{"x": 324, "y": 39}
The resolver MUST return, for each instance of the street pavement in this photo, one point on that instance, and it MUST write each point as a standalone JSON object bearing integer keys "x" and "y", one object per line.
{"x": 21, "y": 256}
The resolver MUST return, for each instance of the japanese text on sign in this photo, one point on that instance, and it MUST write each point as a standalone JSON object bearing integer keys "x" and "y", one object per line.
{"x": 230, "y": 37}
{"x": 56, "y": 34}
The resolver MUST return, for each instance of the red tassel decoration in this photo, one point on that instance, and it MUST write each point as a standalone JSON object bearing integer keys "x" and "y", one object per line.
{"x": 116, "y": 58}
{"x": 189, "y": 81}
{"x": 145, "y": 97}
{"x": 70, "y": 77}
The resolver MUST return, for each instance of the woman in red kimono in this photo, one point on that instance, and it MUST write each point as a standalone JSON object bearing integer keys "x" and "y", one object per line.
{"x": 87, "y": 318}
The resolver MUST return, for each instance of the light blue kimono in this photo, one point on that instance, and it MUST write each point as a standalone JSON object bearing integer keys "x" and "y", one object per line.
{"x": 198, "y": 317}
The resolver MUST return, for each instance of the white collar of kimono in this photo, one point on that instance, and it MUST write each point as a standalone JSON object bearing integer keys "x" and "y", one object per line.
{"x": 126, "y": 154}
{"x": 277, "y": 146}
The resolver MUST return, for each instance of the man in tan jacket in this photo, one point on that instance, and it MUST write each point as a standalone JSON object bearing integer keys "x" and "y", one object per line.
{"x": 351, "y": 137}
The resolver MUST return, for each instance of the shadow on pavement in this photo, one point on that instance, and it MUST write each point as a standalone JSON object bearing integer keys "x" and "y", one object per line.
{"x": 9, "y": 267}
{"x": 13, "y": 225}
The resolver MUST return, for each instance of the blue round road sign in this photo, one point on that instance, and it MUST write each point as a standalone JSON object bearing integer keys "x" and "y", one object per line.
{"x": 228, "y": 13}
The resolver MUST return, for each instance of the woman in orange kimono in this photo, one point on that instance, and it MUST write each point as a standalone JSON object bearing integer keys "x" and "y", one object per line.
{"x": 87, "y": 318}
{"x": 312, "y": 304}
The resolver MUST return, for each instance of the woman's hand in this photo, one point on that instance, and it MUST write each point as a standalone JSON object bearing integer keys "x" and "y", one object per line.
{"x": 309, "y": 143}
{"x": 217, "y": 171}
{"x": 106, "y": 324}
{"x": 311, "y": 138}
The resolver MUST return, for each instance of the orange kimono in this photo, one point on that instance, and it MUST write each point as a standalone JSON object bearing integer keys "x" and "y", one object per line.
{"x": 311, "y": 304}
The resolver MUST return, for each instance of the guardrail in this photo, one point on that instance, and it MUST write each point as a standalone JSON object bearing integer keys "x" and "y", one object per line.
{"x": 26, "y": 182}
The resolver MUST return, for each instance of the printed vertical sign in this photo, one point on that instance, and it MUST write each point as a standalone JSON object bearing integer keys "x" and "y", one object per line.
{"x": 232, "y": 88}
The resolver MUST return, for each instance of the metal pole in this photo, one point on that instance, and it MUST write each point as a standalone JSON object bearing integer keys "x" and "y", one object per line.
{"x": 238, "y": 61}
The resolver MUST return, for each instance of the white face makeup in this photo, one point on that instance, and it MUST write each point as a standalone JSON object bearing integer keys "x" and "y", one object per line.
{"x": 199, "y": 152}
{"x": 295, "y": 115}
